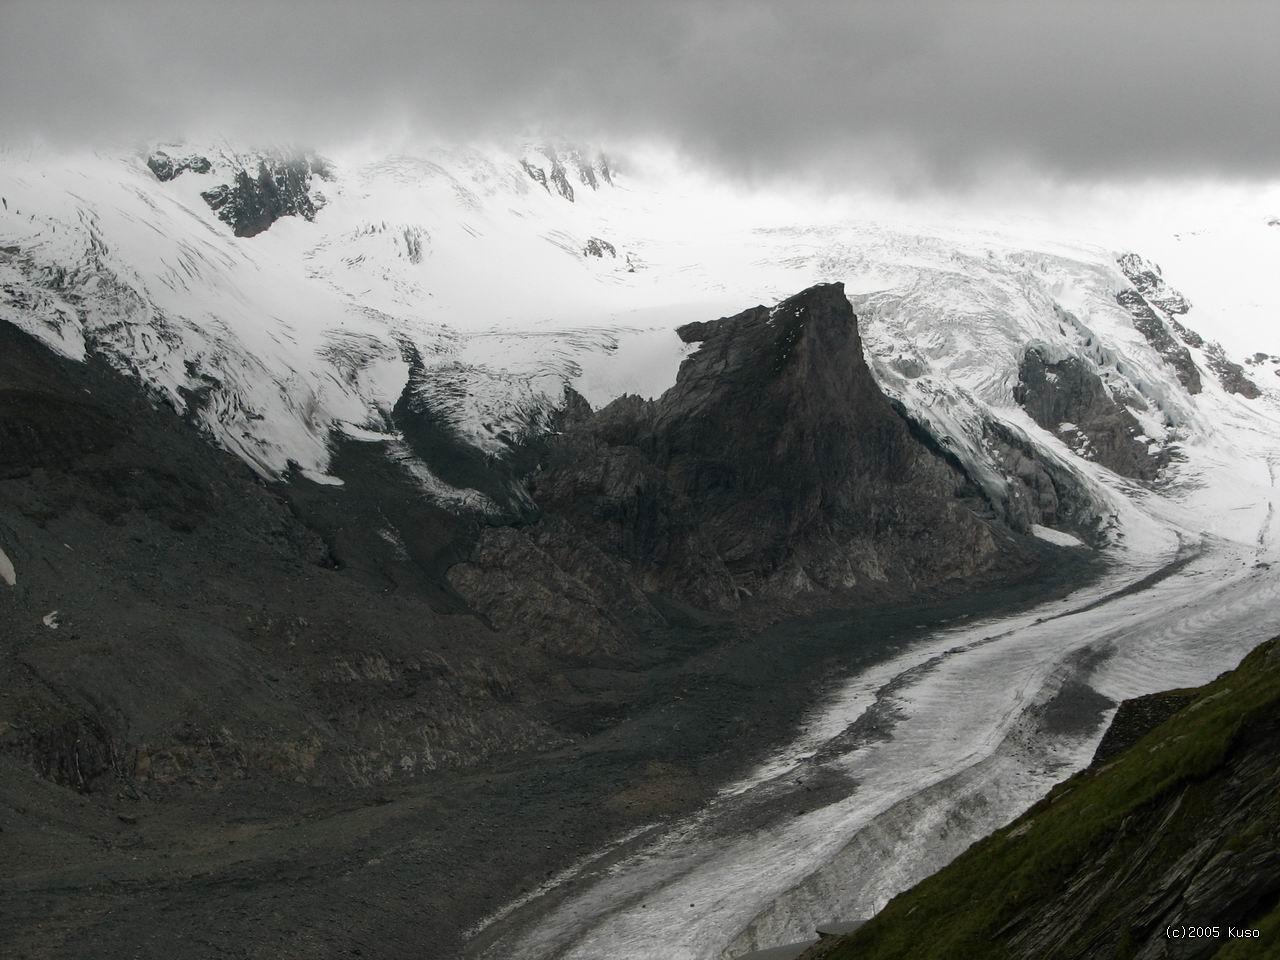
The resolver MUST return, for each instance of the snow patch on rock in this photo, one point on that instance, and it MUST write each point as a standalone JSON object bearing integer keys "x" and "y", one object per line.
{"x": 1061, "y": 538}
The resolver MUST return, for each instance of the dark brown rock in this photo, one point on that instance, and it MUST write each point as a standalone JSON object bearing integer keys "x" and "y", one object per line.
{"x": 1149, "y": 324}
{"x": 1068, "y": 392}
{"x": 1040, "y": 490}
{"x": 166, "y": 168}
{"x": 558, "y": 177}
{"x": 1147, "y": 278}
{"x": 1230, "y": 374}
{"x": 548, "y": 587}
{"x": 774, "y": 468}
{"x": 280, "y": 188}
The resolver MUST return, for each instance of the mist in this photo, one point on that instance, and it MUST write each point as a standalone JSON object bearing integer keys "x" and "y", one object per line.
{"x": 917, "y": 94}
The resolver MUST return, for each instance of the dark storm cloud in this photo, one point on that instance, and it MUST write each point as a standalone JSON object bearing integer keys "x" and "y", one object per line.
{"x": 943, "y": 88}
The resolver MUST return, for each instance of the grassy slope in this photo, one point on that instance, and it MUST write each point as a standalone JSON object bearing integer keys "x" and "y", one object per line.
{"x": 1081, "y": 862}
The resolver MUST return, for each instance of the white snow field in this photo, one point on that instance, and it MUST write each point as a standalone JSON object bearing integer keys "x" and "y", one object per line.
{"x": 462, "y": 259}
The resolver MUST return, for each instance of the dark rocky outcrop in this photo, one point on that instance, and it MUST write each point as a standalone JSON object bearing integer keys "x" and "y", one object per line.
{"x": 562, "y": 160}
{"x": 595, "y": 247}
{"x": 1040, "y": 490}
{"x": 1149, "y": 293}
{"x": 1068, "y": 392}
{"x": 773, "y": 470}
{"x": 1135, "y": 719}
{"x": 1229, "y": 373}
{"x": 1188, "y": 336}
{"x": 586, "y": 173}
{"x": 280, "y": 188}
{"x": 1147, "y": 278}
{"x": 413, "y": 243}
{"x": 1149, "y": 324}
{"x": 551, "y": 590}
{"x": 1177, "y": 823}
{"x": 167, "y": 168}
{"x": 558, "y": 178}
{"x": 536, "y": 174}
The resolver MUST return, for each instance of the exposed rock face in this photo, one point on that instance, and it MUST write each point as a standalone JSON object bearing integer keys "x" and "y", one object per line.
{"x": 1135, "y": 719}
{"x": 563, "y": 161}
{"x": 1150, "y": 293}
{"x": 1153, "y": 328}
{"x": 1069, "y": 399}
{"x": 1146, "y": 277}
{"x": 413, "y": 237}
{"x": 167, "y": 168}
{"x": 536, "y": 174}
{"x": 559, "y": 179}
{"x": 546, "y": 587}
{"x": 585, "y": 171}
{"x": 1040, "y": 491}
{"x": 1230, "y": 374}
{"x": 1189, "y": 336}
{"x": 281, "y": 188}
{"x": 773, "y": 468}
{"x": 595, "y": 247}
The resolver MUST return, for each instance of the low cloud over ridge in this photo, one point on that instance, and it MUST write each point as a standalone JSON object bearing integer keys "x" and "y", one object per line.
{"x": 938, "y": 91}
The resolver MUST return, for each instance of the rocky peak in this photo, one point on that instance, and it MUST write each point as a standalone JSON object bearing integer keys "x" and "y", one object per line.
{"x": 281, "y": 187}
{"x": 773, "y": 468}
{"x": 166, "y": 168}
{"x": 1149, "y": 281}
{"x": 564, "y": 163}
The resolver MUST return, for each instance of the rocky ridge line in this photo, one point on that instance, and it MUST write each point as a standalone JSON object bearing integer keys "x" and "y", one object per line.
{"x": 773, "y": 473}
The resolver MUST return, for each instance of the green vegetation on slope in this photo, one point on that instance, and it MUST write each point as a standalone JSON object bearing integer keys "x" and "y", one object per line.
{"x": 1183, "y": 828}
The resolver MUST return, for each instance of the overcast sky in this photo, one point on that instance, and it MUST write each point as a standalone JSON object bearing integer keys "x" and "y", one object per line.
{"x": 937, "y": 91}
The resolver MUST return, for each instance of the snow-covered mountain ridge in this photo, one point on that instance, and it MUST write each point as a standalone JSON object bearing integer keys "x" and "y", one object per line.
{"x": 478, "y": 282}
{"x": 308, "y": 326}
